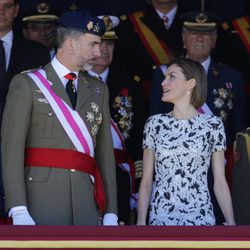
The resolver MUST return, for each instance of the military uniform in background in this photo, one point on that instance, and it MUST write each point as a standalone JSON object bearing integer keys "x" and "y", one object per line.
{"x": 233, "y": 48}
{"x": 23, "y": 55}
{"x": 39, "y": 24}
{"x": 126, "y": 104}
{"x": 146, "y": 42}
{"x": 241, "y": 178}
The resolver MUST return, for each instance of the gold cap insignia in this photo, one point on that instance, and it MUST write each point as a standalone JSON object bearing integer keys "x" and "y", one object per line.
{"x": 42, "y": 8}
{"x": 90, "y": 25}
{"x": 108, "y": 22}
{"x": 201, "y": 18}
{"x": 96, "y": 28}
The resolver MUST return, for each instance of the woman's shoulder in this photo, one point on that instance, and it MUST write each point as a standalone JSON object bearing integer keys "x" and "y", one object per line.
{"x": 211, "y": 120}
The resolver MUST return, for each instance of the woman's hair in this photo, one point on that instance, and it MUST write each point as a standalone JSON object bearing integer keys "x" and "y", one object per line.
{"x": 194, "y": 70}
{"x": 64, "y": 33}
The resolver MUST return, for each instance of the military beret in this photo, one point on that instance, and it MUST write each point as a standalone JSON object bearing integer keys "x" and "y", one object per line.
{"x": 200, "y": 21}
{"x": 39, "y": 11}
{"x": 82, "y": 21}
{"x": 111, "y": 22}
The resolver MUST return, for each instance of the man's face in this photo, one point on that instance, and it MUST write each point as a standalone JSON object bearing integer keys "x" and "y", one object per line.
{"x": 41, "y": 32}
{"x": 199, "y": 44}
{"x": 8, "y": 12}
{"x": 164, "y": 1}
{"x": 86, "y": 49}
{"x": 106, "y": 49}
{"x": 157, "y": 4}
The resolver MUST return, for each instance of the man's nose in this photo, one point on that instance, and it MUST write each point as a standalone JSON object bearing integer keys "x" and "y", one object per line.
{"x": 97, "y": 51}
{"x": 43, "y": 31}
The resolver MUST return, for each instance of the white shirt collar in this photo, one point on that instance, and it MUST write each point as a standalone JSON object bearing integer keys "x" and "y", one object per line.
{"x": 7, "y": 43}
{"x": 61, "y": 71}
{"x": 103, "y": 75}
{"x": 171, "y": 14}
{"x": 206, "y": 64}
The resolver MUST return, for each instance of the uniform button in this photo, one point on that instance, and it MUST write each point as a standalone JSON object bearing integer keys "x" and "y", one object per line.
{"x": 72, "y": 170}
{"x": 50, "y": 114}
{"x": 30, "y": 178}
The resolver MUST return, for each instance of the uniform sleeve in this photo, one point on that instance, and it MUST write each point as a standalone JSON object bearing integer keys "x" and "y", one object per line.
{"x": 218, "y": 136}
{"x": 149, "y": 135}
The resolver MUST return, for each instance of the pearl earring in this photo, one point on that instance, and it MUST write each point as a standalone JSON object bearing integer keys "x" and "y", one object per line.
{"x": 188, "y": 92}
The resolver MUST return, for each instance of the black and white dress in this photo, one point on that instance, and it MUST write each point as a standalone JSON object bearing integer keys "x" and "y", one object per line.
{"x": 183, "y": 149}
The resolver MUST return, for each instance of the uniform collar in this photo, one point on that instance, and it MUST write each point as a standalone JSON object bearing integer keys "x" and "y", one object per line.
{"x": 61, "y": 71}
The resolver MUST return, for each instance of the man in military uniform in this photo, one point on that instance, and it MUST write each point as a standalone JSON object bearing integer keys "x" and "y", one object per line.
{"x": 241, "y": 178}
{"x": 58, "y": 158}
{"x": 233, "y": 48}
{"x": 126, "y": 106}
{"x": 39, "y": 24}
{"x": 225, "y": 96}
{"x": 17, "y": 54}
{"x": 149, "y": 38}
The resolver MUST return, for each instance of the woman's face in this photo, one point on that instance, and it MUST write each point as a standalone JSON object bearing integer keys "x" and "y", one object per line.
{"x": 175, "y": 85}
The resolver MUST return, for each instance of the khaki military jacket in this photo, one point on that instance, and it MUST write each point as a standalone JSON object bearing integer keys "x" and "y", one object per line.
{"x": 54, "y": 196}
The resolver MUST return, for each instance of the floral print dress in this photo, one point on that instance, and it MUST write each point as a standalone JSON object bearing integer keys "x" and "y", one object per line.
{"x": 183, "y": 149}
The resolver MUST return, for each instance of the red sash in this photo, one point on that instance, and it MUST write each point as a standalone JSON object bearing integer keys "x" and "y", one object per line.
{"x": 68, "y": 159}
{"x": 156, "y": 48}
{"x": 122, "y": 157}
{"x": 242, "y": 25}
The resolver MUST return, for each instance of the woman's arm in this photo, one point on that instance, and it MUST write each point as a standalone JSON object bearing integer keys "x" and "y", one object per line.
{"x": 145, "y": 186}
{"x": 221, "y": 188}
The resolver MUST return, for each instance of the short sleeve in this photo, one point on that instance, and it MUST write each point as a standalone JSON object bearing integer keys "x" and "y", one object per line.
{"x": 218, "y": 136}
{"x": 149, "y": 135}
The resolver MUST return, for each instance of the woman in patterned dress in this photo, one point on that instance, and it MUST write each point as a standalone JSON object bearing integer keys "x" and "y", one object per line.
{"x": 178, "y": 147}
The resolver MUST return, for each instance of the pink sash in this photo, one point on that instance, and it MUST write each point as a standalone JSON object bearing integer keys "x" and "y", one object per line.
{"x": 71, "y": 121}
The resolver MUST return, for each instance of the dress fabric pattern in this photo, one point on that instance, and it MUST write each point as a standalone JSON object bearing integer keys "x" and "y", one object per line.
{"x": 182, "y": 148}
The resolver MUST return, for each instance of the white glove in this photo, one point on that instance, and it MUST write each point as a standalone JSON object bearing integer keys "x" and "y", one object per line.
{"x": 21, "y": 216}
{"x": 110, "y": 219}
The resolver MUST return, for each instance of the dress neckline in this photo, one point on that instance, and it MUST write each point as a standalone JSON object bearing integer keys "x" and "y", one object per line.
{"x": 189, "y": 119}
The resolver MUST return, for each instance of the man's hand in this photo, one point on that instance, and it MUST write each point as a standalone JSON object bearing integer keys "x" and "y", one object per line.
{"x": 110, "y": 219}
{"x": 21, "y": 216}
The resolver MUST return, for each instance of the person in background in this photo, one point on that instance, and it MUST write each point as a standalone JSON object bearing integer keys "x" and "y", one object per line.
{"x": 149, "y": 38}
{"x": 16, "y": 55}
{"x": 126, "y": 106}
{"x": 225, "y": 95}
{"x": 178, "y": 147}
{"x": 233, "y": 48}
{"x": 241, "y": 177}
{"x": 40, "y": 23}
{"x": 57, "y": 150}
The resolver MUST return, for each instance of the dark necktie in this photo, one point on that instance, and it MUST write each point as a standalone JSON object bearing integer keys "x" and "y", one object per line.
{"x": 71, "y": 89}
{"x": 165, "y": 20}
{"x": 2, "y": 63}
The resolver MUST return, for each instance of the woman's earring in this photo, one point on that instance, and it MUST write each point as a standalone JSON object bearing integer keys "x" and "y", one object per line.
{"x": 188, "y": 92}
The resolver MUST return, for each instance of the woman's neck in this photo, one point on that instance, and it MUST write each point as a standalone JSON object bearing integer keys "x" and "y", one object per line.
{"x": 184, "y": 112}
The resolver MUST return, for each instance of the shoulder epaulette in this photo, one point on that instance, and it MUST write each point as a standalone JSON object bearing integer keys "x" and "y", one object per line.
{"x": 30, "y": 70}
